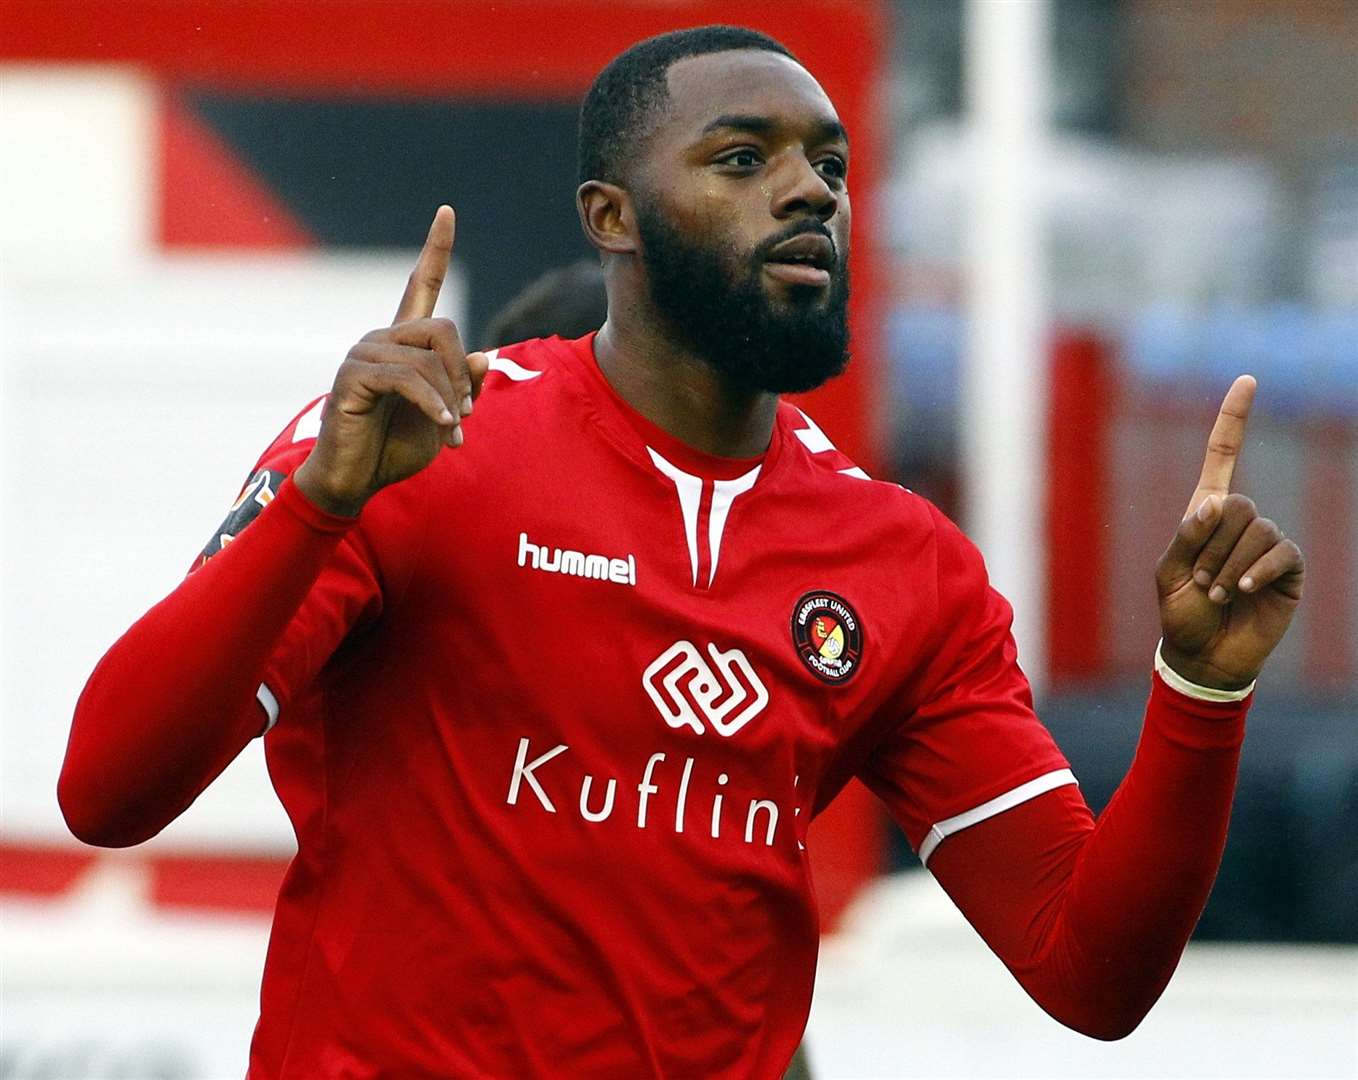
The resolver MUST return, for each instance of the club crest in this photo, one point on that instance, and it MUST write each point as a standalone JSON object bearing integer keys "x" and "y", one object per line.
{"x": 827, "y": 635}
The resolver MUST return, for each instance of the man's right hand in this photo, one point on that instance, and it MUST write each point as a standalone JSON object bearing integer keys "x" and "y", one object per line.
{"x": 400, "y": 395}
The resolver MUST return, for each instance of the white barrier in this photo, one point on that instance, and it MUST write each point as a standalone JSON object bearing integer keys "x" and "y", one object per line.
{"x": 909, "y": 990}
{"x": 99, "y": 986}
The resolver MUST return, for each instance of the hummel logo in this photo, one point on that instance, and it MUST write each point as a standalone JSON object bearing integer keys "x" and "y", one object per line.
{"x": 577, "y": 563}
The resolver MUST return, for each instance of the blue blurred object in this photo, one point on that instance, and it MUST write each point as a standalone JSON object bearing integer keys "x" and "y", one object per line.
{"x": 1307, "y": 359}
{"x": 925, "y": 350}
{"x": 1337, "y": 340}
{"x": 1162, "y": 342}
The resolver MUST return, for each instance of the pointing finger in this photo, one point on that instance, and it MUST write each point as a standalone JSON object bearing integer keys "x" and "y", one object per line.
{"x": 422, "y": 290}
{"x": 1225, "y": 442}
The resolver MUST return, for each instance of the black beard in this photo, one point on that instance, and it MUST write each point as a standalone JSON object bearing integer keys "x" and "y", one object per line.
{"x": 725, "y": 314}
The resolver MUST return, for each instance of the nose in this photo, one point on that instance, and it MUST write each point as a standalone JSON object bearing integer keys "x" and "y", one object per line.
{"x": 801, "y": 189}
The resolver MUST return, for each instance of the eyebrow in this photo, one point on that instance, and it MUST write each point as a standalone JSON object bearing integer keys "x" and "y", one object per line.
{"x": 827, "y": 130}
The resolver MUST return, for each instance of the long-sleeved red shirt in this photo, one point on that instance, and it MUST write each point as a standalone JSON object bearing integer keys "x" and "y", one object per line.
{"x": 552, "y": 717}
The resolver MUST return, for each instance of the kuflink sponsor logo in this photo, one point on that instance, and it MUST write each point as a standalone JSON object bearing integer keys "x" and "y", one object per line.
{"x": 688, "y": 692}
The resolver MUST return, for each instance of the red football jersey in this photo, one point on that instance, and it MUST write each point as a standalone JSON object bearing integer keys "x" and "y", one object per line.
{"x": 553, "y": 721}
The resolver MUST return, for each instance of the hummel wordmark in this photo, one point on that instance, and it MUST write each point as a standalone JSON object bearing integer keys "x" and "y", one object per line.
{"x": 577, "y": 563}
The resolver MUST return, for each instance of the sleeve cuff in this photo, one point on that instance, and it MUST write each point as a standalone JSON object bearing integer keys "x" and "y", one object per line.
{"x": 1175, "y": 681}
{"x": 307, "y": 512}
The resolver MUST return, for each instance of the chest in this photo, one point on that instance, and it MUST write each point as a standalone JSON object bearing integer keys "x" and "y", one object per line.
{"x": 726, "y": 634}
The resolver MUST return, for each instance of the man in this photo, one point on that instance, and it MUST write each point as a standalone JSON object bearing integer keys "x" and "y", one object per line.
{"x": 552, "y": 690}
{"x": 569, "y": 302}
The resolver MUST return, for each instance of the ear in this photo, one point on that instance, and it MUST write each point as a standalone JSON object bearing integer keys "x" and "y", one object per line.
{"x": 607, "y": 217}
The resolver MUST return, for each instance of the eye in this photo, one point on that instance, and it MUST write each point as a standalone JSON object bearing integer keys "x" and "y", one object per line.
{"x": 741, "y": 158}
{"x": 834, "y": 167}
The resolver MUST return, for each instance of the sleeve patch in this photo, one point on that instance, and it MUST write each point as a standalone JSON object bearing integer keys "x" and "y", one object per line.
{"x": 258, "y": 492}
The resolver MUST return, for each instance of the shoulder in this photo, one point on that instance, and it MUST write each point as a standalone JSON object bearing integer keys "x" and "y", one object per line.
{"x": 521, "y": 362}
{"x": 521, "y": 384}
{"x": 839, "y": 479}
{"x": 915, "y": 531}
{"x": 291, "y": 446}
{"x": 265, "y": 478}
{"x": 400, "y": 504}
{"x": 536, "y": 363}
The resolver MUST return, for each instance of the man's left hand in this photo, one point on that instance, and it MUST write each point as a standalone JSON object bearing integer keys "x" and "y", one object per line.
{"x": 1229, "y": 581}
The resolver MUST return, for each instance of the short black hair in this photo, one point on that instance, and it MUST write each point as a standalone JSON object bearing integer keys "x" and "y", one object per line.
{"x": 626, "y": 97}
{"x": 569, "y": 301}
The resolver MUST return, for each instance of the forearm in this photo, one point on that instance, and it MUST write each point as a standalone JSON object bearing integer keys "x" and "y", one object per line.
{"x": 174, "y": 700}
{"x": 1092, "y": 918}
{"x": 1143, "y": 879}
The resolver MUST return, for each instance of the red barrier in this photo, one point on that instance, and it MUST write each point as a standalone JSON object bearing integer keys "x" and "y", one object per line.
{"x": 40, "y": 870}
{"x": 1080, "y": 413}
{"x": 1330, "y": 511}
{"x": 209, "y": 199}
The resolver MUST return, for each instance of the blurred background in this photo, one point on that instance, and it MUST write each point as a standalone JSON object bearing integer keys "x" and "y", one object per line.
{"x": 1075, "y": 222}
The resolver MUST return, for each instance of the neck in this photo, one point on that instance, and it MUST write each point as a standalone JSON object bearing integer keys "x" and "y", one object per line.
{"x": 677, "y": 390}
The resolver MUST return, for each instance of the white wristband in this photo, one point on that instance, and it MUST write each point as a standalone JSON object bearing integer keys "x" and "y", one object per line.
{"x": 1175, "y": 681}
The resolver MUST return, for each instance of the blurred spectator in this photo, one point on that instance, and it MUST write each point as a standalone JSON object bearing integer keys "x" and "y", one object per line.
{"x": 568, "y": 301}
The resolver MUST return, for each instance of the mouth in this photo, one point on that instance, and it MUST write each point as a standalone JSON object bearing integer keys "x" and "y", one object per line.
{"x": 806, "y": 259}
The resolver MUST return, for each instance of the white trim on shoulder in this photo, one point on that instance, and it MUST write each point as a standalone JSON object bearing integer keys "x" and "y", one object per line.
{"x": 1175, "y": 681}
{"x": 505, "y": 366}
{"x": 269, "y": 704}
{"x": 998, "y": 805}
{"x": 815, "y": 440}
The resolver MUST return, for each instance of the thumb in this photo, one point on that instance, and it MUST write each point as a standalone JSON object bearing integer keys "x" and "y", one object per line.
{"x": 478, "y": 364}
{"x": 1176, "y": 565}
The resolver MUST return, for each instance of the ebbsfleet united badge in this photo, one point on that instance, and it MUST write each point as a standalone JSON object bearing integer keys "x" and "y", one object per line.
{"x": 828, "y": 635}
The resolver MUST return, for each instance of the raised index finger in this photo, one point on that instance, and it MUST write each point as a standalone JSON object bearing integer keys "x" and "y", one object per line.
{"x": 1225, "y": 442}
{"x": 422, "y": 291}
